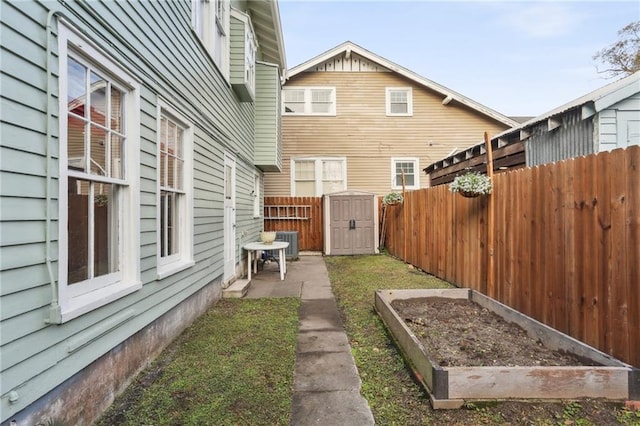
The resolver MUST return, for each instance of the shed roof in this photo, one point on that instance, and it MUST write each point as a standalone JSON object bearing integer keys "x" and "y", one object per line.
{"x": 350, "y": 192}
{"x": 448, "y": 95}
{"x": 590, "y": 104}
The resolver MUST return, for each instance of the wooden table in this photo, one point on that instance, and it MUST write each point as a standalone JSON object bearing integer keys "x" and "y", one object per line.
{"x": 253, "y": 250}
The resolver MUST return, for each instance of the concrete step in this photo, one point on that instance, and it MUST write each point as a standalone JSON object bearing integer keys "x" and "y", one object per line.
{"x": 236, "y": 290}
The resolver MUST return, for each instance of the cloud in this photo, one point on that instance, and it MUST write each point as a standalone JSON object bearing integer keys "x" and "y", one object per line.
{"x": 541, "y": 19}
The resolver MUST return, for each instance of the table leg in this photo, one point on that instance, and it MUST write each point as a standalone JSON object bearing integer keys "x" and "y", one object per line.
{"x": 284, "y": 257}
{"x": 249, "y": 264}
{"x": 282, "y": 264}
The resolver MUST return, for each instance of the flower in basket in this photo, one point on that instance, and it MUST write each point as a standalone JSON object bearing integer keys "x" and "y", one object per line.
{"x": 392, "y": 198}
{"x": 471, "y": 184}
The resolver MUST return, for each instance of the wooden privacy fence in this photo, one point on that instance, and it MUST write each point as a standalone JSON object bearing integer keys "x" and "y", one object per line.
{"x": 302, "y": 214}
{"x": 566, "y": 245}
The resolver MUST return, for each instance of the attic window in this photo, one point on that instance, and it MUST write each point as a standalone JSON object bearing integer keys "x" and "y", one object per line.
{"x": 399, "y": 101}
{"x": 309, "y": 101}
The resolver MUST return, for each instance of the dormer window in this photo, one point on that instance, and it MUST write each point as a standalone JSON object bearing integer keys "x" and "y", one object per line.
{"x": 243, "y": 56}
{"x": 250, "y": 59}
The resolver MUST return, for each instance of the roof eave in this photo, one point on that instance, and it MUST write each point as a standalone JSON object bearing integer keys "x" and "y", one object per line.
{"x": 265, "y": 16}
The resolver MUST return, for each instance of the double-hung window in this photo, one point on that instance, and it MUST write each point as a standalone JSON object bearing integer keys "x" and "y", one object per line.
{"x": 175, "y": 164}
{"x": 399, "y": 101}
{"x": 210, "y": 21}
{"x": 309, "y": 101}
{"x": 99, "y": 161}
{"x": 405, "y": 169}
{"x": 313, "y": 177}
{"x": 220, "y": 35}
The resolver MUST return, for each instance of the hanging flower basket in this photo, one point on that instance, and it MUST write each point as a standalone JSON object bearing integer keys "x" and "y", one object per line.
{"x": 471, "y": 185}
{"x": 392, "y": 198}
{"x": 469, "y": 194}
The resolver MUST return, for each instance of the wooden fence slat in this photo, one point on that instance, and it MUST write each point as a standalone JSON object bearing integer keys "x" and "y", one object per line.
{"x": 617, "y": 262}
{"x": 560, "y": 290}
{"x": 632, "y": 244}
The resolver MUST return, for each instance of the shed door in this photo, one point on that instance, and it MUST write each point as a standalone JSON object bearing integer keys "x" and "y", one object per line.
{"x": 351, "y": 225}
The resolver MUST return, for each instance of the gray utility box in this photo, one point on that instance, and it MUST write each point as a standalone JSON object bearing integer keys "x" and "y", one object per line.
{"x": 291, "y": 252}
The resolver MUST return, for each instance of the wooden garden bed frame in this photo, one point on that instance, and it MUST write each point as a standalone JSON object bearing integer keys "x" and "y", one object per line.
{"x": 451, "y": 387}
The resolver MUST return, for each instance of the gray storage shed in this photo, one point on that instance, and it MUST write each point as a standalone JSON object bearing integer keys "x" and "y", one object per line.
{"x": 351, "y": 223}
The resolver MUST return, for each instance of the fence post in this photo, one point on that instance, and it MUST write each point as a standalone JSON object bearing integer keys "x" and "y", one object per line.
{"x": 490, "y": 221}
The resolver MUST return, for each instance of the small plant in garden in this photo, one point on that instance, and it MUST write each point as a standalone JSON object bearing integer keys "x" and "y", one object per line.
{"x": 392, "y": 198}
{"x": 572, "y": 415}
{"x": 626, "y": 416}
{"x": 471, "y": 184}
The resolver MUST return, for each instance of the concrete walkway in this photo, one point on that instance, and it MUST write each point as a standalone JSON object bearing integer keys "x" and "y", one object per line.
{"x": 326, "y": 385}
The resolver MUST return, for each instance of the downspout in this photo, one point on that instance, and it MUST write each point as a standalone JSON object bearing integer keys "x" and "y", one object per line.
{"x": 55, "y": 316}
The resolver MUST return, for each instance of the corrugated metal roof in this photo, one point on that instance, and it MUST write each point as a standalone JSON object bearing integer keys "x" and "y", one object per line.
{"x": 592, "y": 97}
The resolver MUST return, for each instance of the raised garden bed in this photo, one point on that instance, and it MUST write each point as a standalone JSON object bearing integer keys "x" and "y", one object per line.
{"x": 554, "y": 366}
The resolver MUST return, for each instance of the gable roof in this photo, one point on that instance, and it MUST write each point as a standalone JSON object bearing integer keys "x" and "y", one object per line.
{"x": 447, "y": 94}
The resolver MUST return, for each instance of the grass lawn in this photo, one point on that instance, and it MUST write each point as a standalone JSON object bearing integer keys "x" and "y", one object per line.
{"x": 235, "y": 365}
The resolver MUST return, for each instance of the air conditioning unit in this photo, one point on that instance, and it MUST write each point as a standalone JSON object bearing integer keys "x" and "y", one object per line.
{"x": 291, "y": 237}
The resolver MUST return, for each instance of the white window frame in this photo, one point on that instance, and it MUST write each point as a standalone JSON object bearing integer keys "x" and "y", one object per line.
{"x": 210, "y": 20}
{"x": 308, "y": 97}
{"x": 251, "y": 47}
{"x": 409, "y": 92}
{"x": 199, "y": 17}
{"x": 318, "y": 180}
{"x": 183, "y": 259}
{"x": 257, "y": 195}
{"x": 416, "y": 168}
{"x": 221, "y": 12}
{"x": 81, "y": 297}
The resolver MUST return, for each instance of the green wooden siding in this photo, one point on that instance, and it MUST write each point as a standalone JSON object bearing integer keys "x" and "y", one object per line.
{"x": 268, "y": 151}
{"x": 154, "y": 42}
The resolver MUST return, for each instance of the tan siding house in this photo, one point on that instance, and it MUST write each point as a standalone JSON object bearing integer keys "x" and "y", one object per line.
{"x": 353, "y": 120}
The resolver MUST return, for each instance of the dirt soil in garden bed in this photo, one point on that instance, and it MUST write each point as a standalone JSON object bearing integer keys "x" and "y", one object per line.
{"x": 459, "y": 333}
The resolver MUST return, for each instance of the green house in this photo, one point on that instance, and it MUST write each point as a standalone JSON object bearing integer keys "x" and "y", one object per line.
{"x": 134, "y": 140}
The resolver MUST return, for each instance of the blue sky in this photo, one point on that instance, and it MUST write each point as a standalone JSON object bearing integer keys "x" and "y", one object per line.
{"x": 517, "y": 57}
